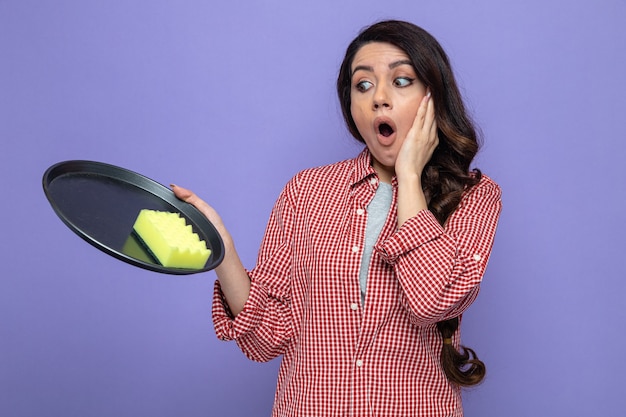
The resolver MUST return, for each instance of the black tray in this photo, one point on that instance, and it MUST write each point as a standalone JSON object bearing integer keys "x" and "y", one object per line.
{"x": 100, "y": 202}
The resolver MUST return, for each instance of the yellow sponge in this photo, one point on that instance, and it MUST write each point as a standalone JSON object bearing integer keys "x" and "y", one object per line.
{"x": 171, "y": 240}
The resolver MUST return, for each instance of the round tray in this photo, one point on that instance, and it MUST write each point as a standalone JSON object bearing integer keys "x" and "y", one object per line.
{"x": 100, "y": 203}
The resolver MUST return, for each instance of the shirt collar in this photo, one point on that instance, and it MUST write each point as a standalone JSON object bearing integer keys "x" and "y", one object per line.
{"x": 362, "y": 167}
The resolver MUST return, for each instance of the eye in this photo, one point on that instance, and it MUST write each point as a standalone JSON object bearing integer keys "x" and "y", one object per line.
{"x": 363, "y": 86}
{"x": 403, "y": 81}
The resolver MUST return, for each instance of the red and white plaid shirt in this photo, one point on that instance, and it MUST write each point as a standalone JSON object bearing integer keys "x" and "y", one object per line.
{"x": 340, "y": 358}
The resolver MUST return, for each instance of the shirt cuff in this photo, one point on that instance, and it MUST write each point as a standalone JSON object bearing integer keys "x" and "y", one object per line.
{"x": 229, "y": 328}
{"x": 415, "y": 232}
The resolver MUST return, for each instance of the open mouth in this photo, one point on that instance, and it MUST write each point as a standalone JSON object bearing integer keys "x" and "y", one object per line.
{"x": 385, "y": 130}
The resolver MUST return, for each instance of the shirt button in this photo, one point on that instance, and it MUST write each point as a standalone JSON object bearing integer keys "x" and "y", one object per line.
{"x": 360, "y": 212}
{"x": 373, "y": 181}
{"x": 355, "y": 249}
{"x": 354, "y": 306}
{"x": 359, "y": 363}
{"x": 477, "y": 257}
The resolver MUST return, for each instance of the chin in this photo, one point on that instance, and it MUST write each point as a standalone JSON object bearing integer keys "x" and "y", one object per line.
{"x": 388, "y": 161}
{"x": 386, "y": 164}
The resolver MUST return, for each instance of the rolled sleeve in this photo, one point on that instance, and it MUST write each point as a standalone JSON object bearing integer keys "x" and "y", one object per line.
{"x": 440, "y": 269}
{"x": 228, "y": 327}
{"x": 261, "y": 329}
{"x": 414, "y": 233}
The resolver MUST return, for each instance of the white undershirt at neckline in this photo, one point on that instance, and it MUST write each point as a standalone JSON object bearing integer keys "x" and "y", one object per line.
{"x": 377, "y": 211}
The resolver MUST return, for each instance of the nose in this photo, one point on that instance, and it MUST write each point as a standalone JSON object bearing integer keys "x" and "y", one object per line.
{"x": 381, "y": 99}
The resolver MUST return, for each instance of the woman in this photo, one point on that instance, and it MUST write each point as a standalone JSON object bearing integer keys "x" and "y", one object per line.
{"x": 367, "y": 265}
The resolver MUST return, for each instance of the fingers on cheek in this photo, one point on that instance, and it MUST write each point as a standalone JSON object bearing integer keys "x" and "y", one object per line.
{"x": 423, "y": 108}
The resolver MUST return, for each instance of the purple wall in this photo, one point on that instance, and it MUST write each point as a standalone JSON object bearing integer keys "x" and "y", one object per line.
{"x": 231, "y": 99}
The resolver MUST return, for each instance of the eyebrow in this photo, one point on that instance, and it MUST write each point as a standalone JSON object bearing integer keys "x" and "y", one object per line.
{"x": 393, "y": 65}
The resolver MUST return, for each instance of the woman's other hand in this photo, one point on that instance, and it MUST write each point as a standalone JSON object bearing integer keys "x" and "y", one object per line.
{"x": 420, "y": 143}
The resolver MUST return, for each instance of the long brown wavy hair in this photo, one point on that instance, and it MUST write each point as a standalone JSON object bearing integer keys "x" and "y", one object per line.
{"x": 447, "y": 175}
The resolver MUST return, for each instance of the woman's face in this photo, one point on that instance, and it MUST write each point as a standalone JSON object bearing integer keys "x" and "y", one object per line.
{"x": 385, "y": 95}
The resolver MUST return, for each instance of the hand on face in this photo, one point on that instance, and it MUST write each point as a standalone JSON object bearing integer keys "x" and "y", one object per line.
{"x": 420, "y": 142}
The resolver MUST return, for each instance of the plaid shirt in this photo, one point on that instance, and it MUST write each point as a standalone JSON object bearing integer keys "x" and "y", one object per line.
{"x": 340, "y": 358}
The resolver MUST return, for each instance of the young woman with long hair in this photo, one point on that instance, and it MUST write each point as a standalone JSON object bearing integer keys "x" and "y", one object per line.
{"x": 368, "y": 264}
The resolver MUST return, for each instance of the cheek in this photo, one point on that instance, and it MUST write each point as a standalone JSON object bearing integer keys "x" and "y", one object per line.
{"x": 409, "y": 114}
{"x": 358, "y": 116}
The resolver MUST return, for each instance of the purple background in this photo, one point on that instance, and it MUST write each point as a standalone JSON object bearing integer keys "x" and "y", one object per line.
{"x": 231, "y": 99}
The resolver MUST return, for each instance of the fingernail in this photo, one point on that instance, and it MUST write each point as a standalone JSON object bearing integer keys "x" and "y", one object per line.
{"x": 173, "y": 185}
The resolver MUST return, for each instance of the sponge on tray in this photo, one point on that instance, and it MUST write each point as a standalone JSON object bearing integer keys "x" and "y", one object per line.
{"x": 171, "y": 240}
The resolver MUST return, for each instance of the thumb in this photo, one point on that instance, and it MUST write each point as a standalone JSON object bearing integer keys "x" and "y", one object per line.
{"x": 190, "y": 197}
{"x": 182, "y": 193}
